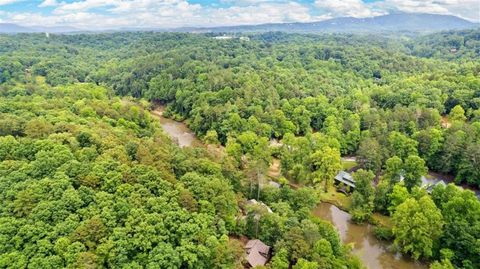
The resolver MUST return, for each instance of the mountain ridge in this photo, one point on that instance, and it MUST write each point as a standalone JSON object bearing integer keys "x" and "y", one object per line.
{"x": 414, "y": 22}
{"x": 421, "y": 22}
{"x": 15, "y": 28}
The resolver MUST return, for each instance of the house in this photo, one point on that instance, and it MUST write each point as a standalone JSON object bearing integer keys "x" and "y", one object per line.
{"x": 345, "y": 178}
{"x": 430, "y": 187}
{"x": 261, "y": 204}
{"x": 257, "y": 253}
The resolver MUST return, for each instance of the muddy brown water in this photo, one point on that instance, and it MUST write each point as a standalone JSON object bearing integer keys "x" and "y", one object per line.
{"x": 374, "y": 253}
{"x": 178, "y": 131}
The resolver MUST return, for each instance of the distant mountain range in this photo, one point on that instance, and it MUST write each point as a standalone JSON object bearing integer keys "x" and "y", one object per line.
{"x": 392, "y": 23}
{"x": 11, "y": 28}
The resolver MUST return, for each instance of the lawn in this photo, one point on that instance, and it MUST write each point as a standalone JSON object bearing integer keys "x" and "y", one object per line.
{"x": 347, "y": 165}
{"x": 336, "y": 198}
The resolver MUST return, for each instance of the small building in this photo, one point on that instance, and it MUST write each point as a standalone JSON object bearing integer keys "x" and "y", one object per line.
{"x": 345, "y": 178}
{"x": 261, "y": 204}
{"x": 257, "y": 253}
{"x": 430, "y": 187}
{"x": 223, "y": 37}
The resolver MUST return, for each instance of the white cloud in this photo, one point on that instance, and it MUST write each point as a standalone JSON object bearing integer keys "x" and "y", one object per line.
{"x": 467, "y": 9}
{"x": 163, "y": 14}
{"x": 261, "y": 13}
{"x": 107, "y": 14}
{"x": 86, "y": 5}
{"x": 353, "y": 8}
{"x": 49, "y": 3}
{"x": 6, "y": 2}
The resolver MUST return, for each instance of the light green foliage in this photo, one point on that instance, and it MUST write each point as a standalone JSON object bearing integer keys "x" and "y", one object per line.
{"x": 414, "y": 168}
{"x": 417, "y": 225}
{"x": 393, "y": 170}
{"x": 363, "y": 195}
{"x": 326, "y": 164}
{"x": 304, "y": 264}
{"x": 401, "y": 145}
{"x": 280, "y": 260}
{"x": 461, "y": 213}
{"x": 457, "y": 114}
{"x": 444, "y": 264}
{"x": 429, "y": 144}
{"x": 369, "y": 154}
{"x": 78, "y": 201}
{"x": 211, "y": 137}
{"x": 399, "y": 195}
{"x": 382, "y": 196}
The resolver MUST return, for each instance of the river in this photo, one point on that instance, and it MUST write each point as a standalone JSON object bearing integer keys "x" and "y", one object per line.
{"x": 374, "y": 253}
{"x": 178, "y": 131}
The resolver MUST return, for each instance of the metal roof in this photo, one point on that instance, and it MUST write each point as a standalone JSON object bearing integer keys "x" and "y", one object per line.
{"x": 345, "y": 178}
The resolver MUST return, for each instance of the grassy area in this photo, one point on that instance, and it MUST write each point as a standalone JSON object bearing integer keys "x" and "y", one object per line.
{"x": 336, "y": 198}
{"x": 347, "y": 165}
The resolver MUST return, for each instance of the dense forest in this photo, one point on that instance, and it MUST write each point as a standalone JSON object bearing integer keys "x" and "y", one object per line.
{"x": 88, "y": 179}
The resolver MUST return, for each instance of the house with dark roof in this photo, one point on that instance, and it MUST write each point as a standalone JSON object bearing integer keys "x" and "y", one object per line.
{"x": 257, "y": 253}
{"x": 345, "y": 178}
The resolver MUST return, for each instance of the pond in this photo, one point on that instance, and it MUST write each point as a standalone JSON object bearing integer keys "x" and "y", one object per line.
{"x": 374, "y": 253}
{"x": 178, "y": 131}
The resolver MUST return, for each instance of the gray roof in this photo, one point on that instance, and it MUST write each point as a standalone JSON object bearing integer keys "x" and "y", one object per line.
{"x": 345, "y": 178}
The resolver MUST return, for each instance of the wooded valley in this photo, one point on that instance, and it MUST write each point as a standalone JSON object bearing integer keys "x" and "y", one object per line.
{"x": 88, "y": 178}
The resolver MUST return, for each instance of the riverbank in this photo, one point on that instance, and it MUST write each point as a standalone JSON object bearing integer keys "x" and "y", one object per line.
{"x": 178, "y": 131}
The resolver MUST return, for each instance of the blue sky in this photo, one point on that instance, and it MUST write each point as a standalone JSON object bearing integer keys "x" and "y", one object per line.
{"x": 110, "y": 14}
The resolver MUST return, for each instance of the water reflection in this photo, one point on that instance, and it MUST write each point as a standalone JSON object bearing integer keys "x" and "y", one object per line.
{"x": 374, "y": 253}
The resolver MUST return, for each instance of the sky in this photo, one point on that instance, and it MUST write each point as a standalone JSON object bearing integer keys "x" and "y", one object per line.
{"x": 114, "y": 14}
